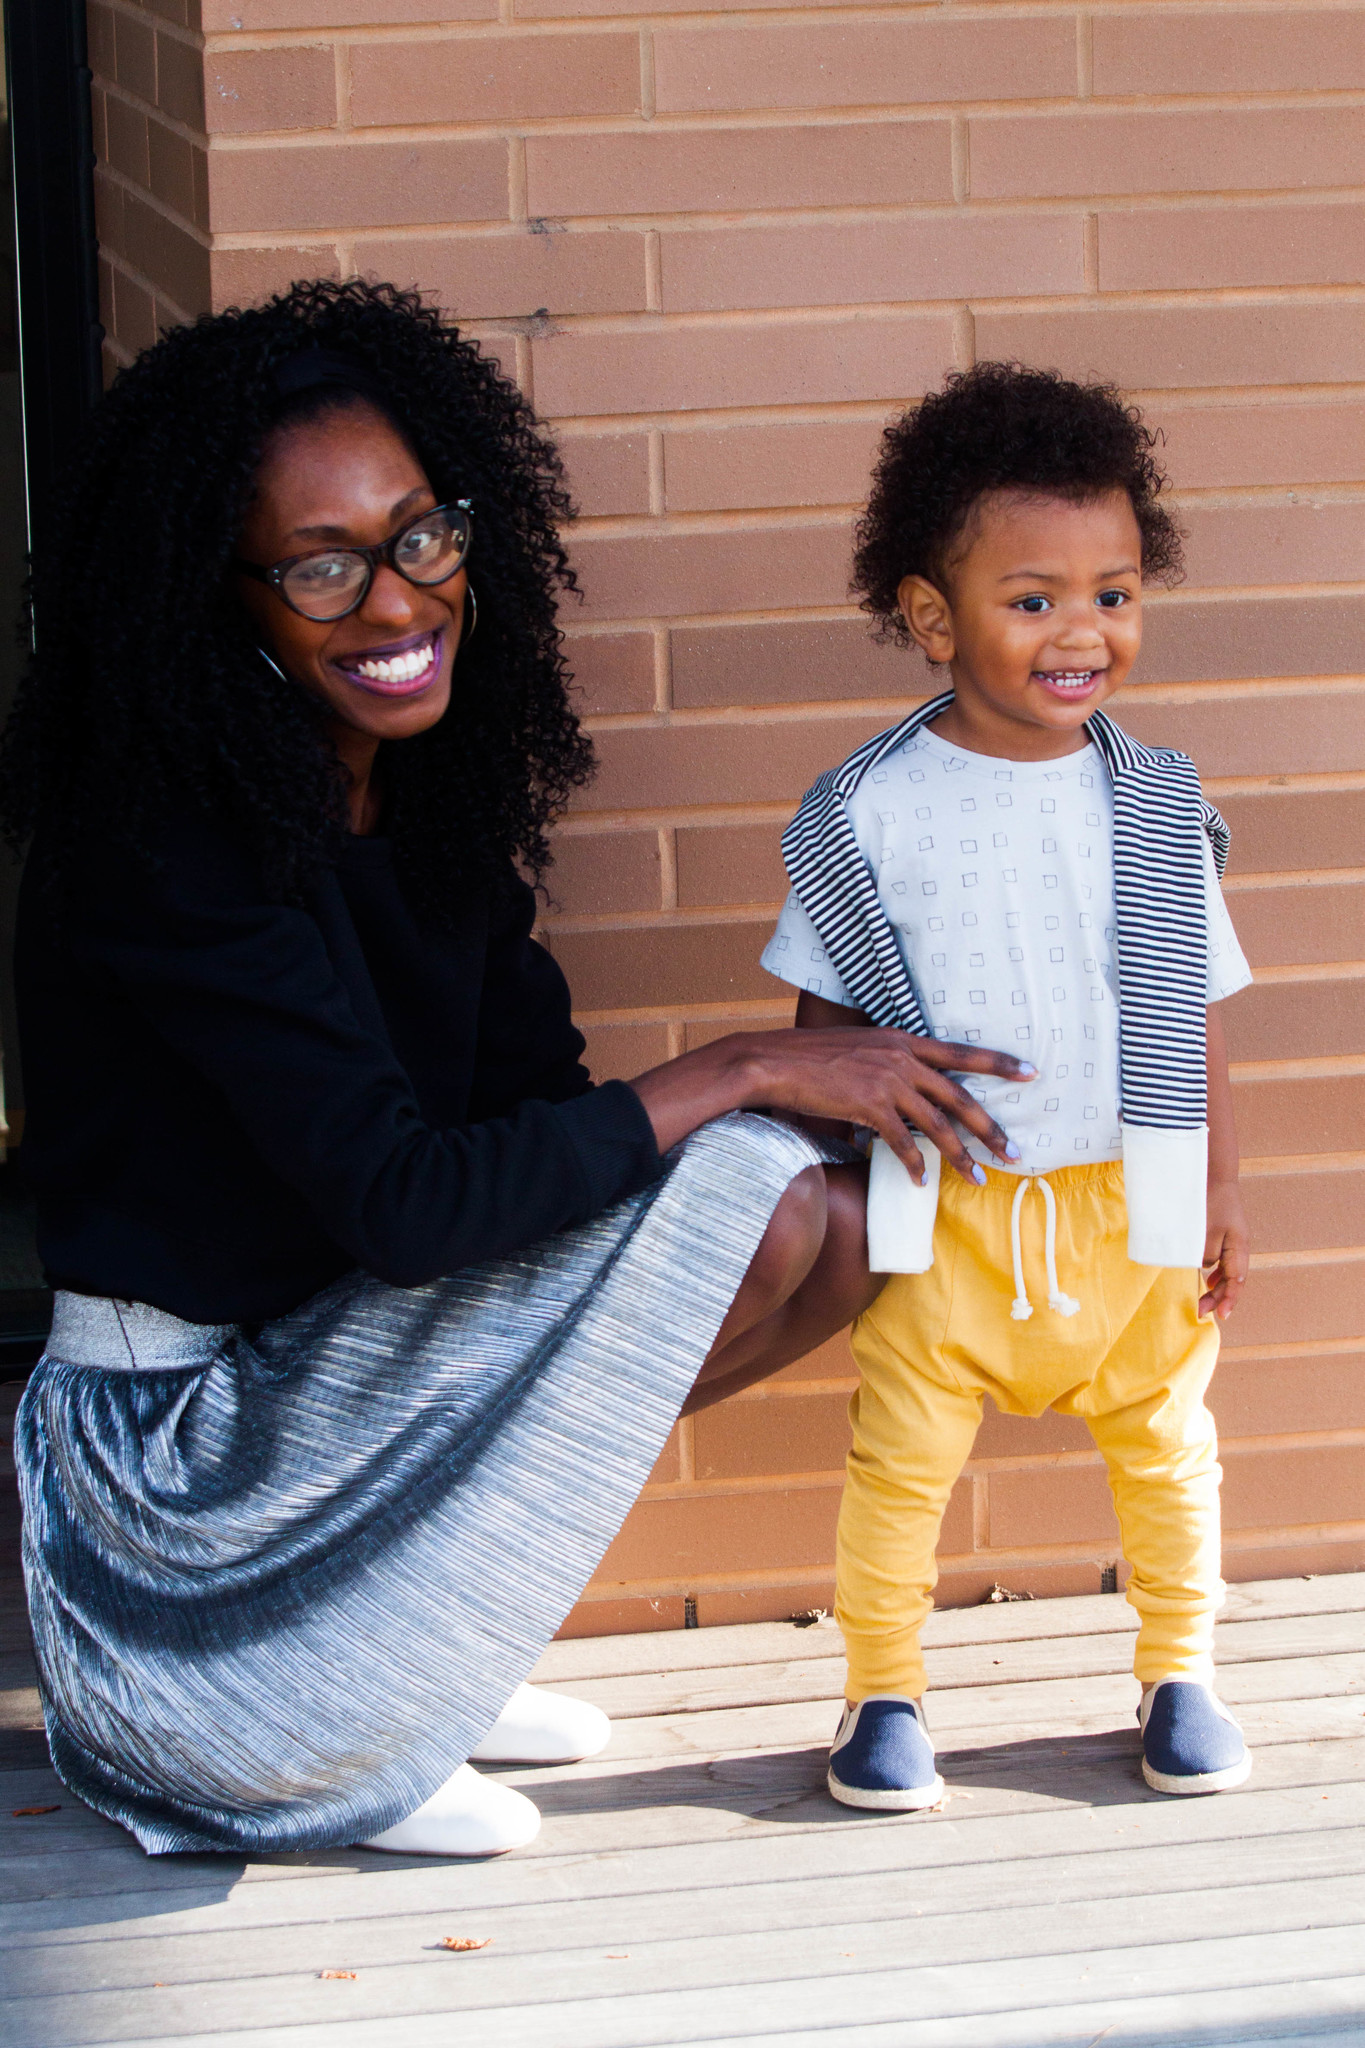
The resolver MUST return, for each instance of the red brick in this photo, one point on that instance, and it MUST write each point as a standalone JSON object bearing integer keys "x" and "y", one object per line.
{"x": 126, "y": 128}
{"x": 1061, "y": 1504}
{"x": 100, "y": 41}
{"x": 1297, "y": 1020}
{"x": 243, "y": 277}
{"x": 251, "y": 15}
{"x": 529, "y": 10}
{"x": 135, "y": 68}
{"x": 1306, "y": 733}
{"x": 1306, "y": 1212}
{"x": 981, "y": 255}
{"x": 722, "y": 469}
{"x": 1278, "y": 1489}
{"x": 618, "y": 1052}
{"x": 719, "y": 1533}
{"x": 730, "y": 763}
{"x": 768, "y": 1603}
{"x": 815, "y": 1366}
{"x": 1286, "y": 1117}
{"x": 603, "y": 872}
{"x": 737, "y": 569}
{"x": 970, "y": 1585}
{"x": 1295, "y": 1559}
{"x": 718, "y": 170}
{"x": 663, "y": 964}
{"x": 495, "y": 78}
{"x": 518, "y": 274}
{"x": 730, "y": 864}
{"x": 1298, "y": 542}
{"x": 1029, "y": 1436}
{"x": 863, "y": 64}
{"x": 180, "y": 80}
{"x": 247, "y": 91}
{"x": 1203, "y": 247}
{"x": 1261, "y": 149}
{"x": 791, "y": 663}
{"x": 1146, "y": 347}
{"x": 759, "y": 1439}
{"x": 357, "y": 184}
{"x": 608, "y": 473}
{"x": 134, "y": 314}
{"x": 612, "y": 671}
{"x": 1277, "y": 832}
{"x": 175, "y": 178}
{"x": 894, "y": 357}
{"x": 169, "y": 256}
{"x": 1297, "y": 926}
{"x": 1217, "y": 639}
{"x": 639, "y": 1616}
{"x": 1288, "y": 1304}
{"x": 1208, "y": 446}
{"x": 1227, "y": 50}
{"x": 1274, "y": 1396}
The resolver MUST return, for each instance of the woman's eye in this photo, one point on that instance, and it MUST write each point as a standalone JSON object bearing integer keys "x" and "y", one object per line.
{"x": 1033, "y": 604}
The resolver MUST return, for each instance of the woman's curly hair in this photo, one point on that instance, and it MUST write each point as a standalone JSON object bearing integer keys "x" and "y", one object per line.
{"x": 147, "y": 690}
{"x": 1001, "y": 427}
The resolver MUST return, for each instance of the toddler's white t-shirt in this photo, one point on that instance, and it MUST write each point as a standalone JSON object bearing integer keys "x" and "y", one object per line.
{"x": 998, "y": 879}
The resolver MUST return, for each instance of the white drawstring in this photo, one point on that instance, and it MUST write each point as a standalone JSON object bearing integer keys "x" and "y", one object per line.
{"x": 1061, "y": 1304}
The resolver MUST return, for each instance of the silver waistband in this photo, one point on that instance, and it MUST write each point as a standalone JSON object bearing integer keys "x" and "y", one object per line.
{"x": 130, "y": 1336}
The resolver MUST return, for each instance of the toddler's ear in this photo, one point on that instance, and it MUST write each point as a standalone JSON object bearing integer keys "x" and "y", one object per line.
{"x": 925, "y": 611}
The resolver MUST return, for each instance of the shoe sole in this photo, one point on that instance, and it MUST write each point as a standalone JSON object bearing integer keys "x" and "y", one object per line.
{"x": 1207, "y": 1781}
{"x": 911, "y": 1799}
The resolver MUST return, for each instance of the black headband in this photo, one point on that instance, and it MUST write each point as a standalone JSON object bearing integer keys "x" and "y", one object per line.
{"x": 314, "y": 366}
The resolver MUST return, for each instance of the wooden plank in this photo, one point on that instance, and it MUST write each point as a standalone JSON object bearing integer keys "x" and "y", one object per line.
{"x": 821, "y": 1678}
{"x": 998, "y": 1955}
{"x": 707, "y": 1914}
{"x": 1015, "y": 1621}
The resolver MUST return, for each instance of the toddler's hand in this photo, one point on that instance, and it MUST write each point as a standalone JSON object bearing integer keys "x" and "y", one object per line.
{"x": 1227, "y": 1248}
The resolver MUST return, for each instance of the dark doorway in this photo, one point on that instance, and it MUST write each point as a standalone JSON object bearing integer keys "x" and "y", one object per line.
{"x": 49, "y": 378}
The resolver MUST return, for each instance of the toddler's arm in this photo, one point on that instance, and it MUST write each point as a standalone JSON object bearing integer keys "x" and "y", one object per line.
{"x": 1228, "y": 1243}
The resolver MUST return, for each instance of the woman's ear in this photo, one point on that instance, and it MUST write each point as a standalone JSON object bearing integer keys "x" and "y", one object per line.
{"x": 926, "y": 612}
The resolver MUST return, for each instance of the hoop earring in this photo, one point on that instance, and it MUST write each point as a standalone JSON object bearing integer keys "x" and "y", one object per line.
{"x": 271, "y": 662}
{"x": 473, "y": 603}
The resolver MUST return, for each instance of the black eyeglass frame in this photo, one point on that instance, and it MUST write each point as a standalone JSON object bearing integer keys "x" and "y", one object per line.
{"x": 372, "y": 557}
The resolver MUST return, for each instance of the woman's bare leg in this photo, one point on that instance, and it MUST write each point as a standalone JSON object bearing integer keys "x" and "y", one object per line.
{"x": 808, "y": 1279}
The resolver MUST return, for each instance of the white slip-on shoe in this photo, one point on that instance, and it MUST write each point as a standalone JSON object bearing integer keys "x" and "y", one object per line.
{"x": 538, "y": 1727}
{"x": 468, "y": 1816}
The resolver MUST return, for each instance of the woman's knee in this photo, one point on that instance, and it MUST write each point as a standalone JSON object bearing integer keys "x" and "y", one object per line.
{"x": 791, "y": 1244}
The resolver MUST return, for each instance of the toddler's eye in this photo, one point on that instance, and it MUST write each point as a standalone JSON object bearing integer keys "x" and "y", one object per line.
{"x": 1112, "y": 599}
{"x": 1035, "y": 604}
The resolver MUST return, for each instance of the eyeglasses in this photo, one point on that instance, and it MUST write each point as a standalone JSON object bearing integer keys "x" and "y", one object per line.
{"x": 331, "y": 582}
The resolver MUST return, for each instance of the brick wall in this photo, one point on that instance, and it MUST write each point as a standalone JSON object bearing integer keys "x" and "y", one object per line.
{"x": 718, "y": 248}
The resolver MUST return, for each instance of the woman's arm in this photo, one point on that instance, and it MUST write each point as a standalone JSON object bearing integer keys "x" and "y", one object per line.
{"x": 1227, "y": 1245}
{"x": 835, "y": 1066}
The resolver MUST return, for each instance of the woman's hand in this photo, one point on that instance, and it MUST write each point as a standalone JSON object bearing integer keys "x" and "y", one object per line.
{"x": 864, "y": 1075}
{"x": 1227, "y": 1250}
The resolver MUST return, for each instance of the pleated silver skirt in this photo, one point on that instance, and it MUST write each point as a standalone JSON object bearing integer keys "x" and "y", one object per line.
{"x": 280, "y": 1588}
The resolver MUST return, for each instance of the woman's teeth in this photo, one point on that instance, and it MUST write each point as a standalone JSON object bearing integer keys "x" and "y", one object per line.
{"x": 396, "y": 668}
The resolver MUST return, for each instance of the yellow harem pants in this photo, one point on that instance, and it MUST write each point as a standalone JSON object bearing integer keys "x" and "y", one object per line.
{"x": 1135, "y": 1361}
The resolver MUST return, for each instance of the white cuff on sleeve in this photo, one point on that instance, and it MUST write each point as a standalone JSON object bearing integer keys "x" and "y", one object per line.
{"x": 1165, "y": 1180}
{"x": 900, "y": 1216}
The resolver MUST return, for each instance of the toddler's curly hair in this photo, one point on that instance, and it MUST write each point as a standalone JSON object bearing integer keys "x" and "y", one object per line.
{"x": 1001, "y": 427}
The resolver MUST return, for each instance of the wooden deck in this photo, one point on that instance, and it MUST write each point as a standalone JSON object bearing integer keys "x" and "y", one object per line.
{"x": 696, "y": 1885}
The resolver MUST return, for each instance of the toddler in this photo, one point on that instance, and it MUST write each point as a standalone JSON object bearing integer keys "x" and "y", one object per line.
{"x": 1008, "y": 868}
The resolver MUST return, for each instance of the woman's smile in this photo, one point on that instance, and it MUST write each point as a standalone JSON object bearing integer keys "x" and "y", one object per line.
{"x": 399, "y": 668}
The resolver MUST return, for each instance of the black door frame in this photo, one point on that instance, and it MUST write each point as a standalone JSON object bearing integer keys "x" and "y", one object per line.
{"x": 60, "y": 335}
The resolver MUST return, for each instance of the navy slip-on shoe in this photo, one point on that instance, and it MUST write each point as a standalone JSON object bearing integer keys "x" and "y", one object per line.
{"x": 1190, "y": 1742}
{"x": 883, "y": 1758}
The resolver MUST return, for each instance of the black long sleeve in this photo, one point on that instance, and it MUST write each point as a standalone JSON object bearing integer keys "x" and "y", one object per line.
{"x": 232, "y": 1101}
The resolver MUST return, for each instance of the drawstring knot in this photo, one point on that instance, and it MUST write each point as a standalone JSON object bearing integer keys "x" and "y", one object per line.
{"x": 1060, "y": 1304}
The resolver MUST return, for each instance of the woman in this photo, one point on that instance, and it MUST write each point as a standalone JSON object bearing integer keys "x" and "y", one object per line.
{"x": 372, "y": 1314}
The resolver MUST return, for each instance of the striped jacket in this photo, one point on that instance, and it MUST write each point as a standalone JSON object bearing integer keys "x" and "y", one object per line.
{"x": 1161, "y": 818}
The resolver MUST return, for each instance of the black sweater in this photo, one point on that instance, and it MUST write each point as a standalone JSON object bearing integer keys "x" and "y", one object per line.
{"x": 231, "y": 1103}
